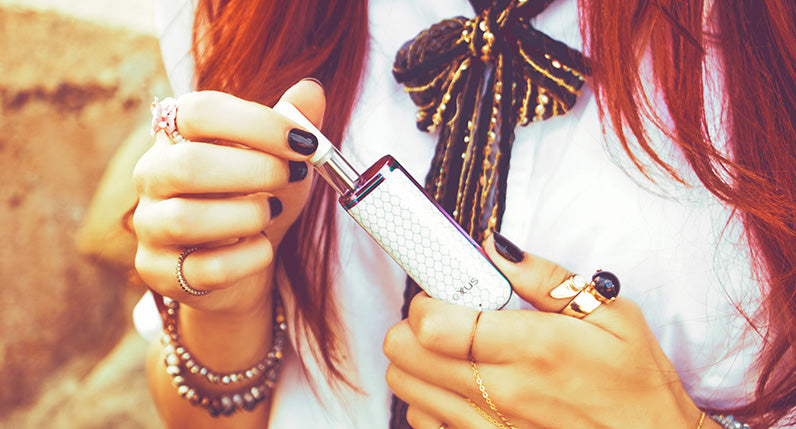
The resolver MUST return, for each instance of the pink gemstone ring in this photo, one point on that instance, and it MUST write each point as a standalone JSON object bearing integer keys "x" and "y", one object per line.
{"x": 164, "y": 118}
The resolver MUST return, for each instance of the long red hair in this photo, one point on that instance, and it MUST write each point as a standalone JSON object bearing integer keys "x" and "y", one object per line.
{"x": 756, "y": 42}
{"x": 258, "y": 49}
{"x": 277, "y": 43}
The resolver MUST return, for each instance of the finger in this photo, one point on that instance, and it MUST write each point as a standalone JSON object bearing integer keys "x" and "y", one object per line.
{"x": 442, "y": 404}
{"x": 420, "y": 419}
{"x": 501, "y": 336}
{"x": 209, "y": 115}
{"x": 405, "y": 351}
{"x": 442, "y": 327}
{"x": 451, "y": 330}
{"x": 531, "y": 277}
{"x": 192, "y": 221}
{"x": 203, "y": 168}
{"x": 205, "y": 269}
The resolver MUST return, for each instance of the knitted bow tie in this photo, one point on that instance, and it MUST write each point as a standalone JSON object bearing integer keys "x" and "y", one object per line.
{"x": 474, "y": 80}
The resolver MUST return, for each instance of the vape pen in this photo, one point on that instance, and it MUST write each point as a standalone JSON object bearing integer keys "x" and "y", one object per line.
{"x": 390, "y": 205}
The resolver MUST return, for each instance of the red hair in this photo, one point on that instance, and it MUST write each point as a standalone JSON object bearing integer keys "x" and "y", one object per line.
{"x": 256, "y": 50}
{"x": 756, "y": 42}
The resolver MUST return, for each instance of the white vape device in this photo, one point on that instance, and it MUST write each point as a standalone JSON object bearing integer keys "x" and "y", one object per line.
{"x": 395, "y": 210}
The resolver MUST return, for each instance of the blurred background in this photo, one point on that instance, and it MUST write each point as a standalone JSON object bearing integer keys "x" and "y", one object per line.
{"x": 76, "y": 80}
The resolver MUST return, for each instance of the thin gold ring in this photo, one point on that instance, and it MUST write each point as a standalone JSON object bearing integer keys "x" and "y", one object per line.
{"x": 472, "y": 335}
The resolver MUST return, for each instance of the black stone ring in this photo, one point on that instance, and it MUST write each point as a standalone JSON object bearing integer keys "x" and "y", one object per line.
{"x": 603, "y": 289}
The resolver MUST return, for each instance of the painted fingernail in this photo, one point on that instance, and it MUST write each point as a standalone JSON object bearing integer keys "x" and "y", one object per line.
{"x": 298, "y": 171}
{"x": 302, "y": 141}
{"x": 312, "y": 79}
{"x": 507, "y": 249}
{"x": 275, "y": 205}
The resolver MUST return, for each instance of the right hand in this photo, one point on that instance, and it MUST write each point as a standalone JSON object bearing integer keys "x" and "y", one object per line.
{"x": 213, "y": 192}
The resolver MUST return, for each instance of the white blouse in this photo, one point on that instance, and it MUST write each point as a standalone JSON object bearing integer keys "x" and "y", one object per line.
{"x": 573, "y": 198}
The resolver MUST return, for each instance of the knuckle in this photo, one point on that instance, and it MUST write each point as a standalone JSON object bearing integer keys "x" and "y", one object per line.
{"x": 429, "y": 329}
{"x": 413, "y": 416}
{"x": 175, "y": 221}
{"x": 189, "y": 113}
{"x": 548, "y": 348}
{"x": 392, "y": 377}
{"x": 214, "y": 272}
{"x": 145, "y": 266}
{"x": 181, "y": 161}
{"x": 392, "y": 341}
{"x": 195, "y": 110}
{"x": 140, "y": 224}
{"x": 143, "y": 172}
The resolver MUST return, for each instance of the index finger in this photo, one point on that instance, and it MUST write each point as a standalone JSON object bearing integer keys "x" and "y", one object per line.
{"x": 209, "y": 115}
{"x": 501, "y": 336}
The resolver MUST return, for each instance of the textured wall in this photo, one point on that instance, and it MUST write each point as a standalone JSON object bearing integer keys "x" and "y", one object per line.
{"x": 71, "y": 92}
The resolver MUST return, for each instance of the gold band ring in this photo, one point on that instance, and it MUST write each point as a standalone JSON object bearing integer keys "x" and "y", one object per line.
{"x": 569, "y": 287}
{"x": 603, "y": 289}
{"x": 472, "y": 335}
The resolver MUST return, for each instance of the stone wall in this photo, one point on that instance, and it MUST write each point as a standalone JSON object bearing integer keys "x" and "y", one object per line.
{"x": 71, "y": 92}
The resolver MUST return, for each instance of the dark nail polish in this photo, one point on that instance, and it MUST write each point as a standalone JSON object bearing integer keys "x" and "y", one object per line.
{"x": 276, "y": 206}
{"x": 312, "y": 79}
{"x": 298, "y": 171}
{"x": 302, "y": 141}
{"x": 507, "y": 249}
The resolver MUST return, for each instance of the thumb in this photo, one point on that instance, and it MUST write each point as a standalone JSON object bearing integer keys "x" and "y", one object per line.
{"x": 309, "y": 98}
{"x": 531, "y": 276}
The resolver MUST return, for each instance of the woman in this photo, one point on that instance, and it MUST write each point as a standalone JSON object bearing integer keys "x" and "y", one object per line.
{"x": 697, "y": 98}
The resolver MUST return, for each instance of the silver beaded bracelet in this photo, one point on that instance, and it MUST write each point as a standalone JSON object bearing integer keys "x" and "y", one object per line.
{"x": 729, "y": 422}
{"x": 259, "y": 379}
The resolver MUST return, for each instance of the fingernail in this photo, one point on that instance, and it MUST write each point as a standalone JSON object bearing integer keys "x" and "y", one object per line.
{"x": 312, "y": 79}
{"x": 275, "y": 205}
{"x": 507, "y": 249}
{"x": 298, "y": 171}
{"x": 302, "y": 141}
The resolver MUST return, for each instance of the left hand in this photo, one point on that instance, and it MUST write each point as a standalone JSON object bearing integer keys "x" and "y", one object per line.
{"x": 541, "y": 369}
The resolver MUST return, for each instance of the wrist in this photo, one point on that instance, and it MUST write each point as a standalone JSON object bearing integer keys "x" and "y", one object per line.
{"x": 227, "y": 341}
{"x": 222, "y": 389}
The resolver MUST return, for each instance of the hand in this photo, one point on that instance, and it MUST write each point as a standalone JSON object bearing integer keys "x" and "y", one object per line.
{"x": 219, "y": 191}
{"x": 540, "y": 369}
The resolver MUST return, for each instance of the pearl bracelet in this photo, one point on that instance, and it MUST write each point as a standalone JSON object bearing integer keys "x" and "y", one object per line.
{"x": 259, "y": 379}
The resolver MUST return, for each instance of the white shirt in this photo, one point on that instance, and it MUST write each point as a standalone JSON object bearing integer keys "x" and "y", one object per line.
{"x": 573, "y": 198}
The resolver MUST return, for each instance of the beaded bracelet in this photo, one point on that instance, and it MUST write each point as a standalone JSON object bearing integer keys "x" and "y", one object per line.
{"x": 180, "y": 362}
{"x": 729, "y": 422}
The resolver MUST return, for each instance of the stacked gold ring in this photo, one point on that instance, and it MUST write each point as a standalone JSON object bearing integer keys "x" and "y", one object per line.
{"x": 585, "y": 296}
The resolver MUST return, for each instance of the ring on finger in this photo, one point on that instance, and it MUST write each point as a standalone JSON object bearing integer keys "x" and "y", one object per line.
{"x": 603, "y": 289}
{"x": 181, "y": 278}
{"x": 569, "y": 287}
{"x": 472, "y": 335}
{"x": 164, "y": 118}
